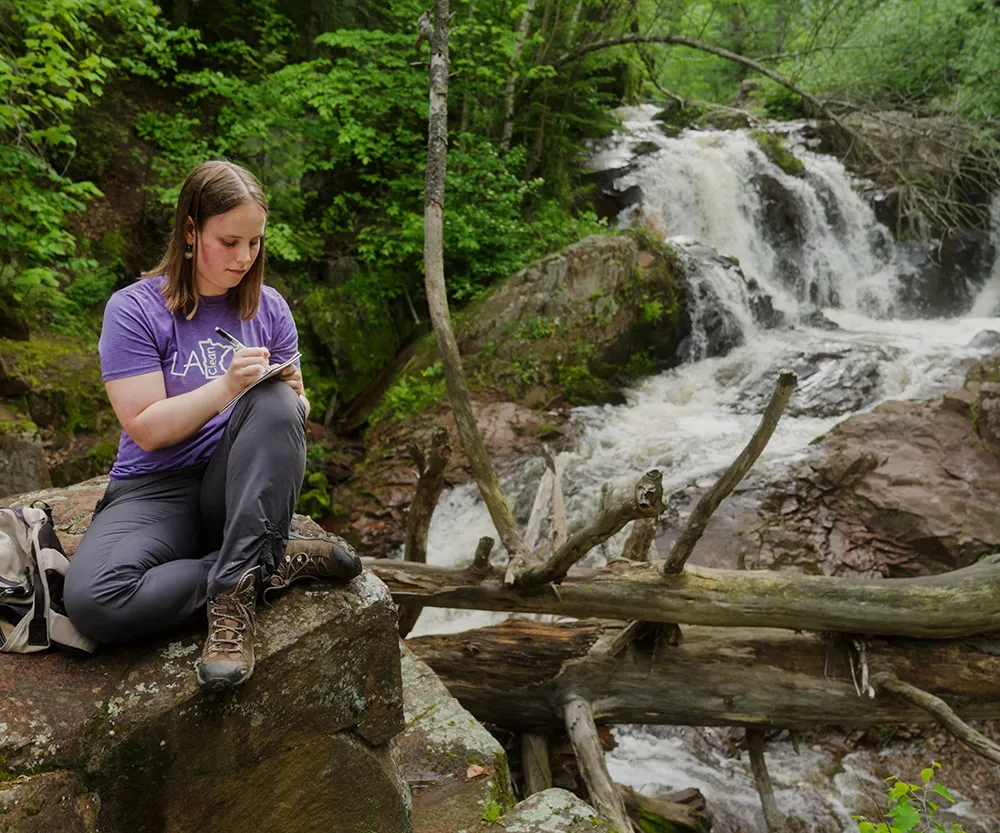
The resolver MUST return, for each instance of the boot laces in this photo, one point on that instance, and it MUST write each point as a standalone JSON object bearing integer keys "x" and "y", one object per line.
{"x": 229, "y": 625}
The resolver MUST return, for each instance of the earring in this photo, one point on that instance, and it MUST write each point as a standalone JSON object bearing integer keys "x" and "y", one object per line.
{"x": 188, "y": 253}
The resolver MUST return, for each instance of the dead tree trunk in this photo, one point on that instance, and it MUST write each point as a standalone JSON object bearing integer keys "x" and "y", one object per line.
{"x": 604, "y": 796}
{"x": 516, "y": 675}
{"x": 431, "y": 464}
{"x": 959, "y": 603}
{"x": 437, "y": 298}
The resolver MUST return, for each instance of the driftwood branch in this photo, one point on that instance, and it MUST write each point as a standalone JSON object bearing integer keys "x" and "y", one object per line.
{"x": 683, "y": 546}
{"x": 772, "y": 816}
{"x": 604, "y": 796}
{"x": 680, "y": 818}
{"x": 431, "y": 465}
{"x": 557, "y": 507}
{"x": 539, "y": 510}
{"x": 941, "y": 712}
{"x": 643, "y": 500}
{"x": 958, "y": 603}
{"x": 481, "y": 560}
{"x": 437, "y": 299}
{"x": 535, "y": 763}
{"x": 640, "y": 539}
{"x": 516, "y": 675}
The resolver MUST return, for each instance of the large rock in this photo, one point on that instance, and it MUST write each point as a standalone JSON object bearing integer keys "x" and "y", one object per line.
{"x": 456, "y": 769}
{"x": 22, "y": 462}
{"x": 554, "y": 811}
{"x": 906, "y": 489}
{"x": 125, "y": 740}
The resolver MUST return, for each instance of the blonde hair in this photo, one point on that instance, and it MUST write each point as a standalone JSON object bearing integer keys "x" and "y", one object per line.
{"x": 212, "y": 188}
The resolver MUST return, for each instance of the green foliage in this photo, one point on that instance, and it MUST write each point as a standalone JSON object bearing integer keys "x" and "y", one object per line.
{"x": 652, "y": 311}
{"x": 314, "y": 499}
{"x": 912, "y": 807}
{"x": 412, "y": 394}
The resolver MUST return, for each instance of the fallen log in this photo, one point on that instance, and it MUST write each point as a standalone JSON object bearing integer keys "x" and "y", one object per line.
{"x": 959, "y": 603}
{"x": 520, "y": 674}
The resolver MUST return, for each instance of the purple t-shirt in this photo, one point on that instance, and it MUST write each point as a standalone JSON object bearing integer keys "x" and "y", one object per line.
{"x": 139, "y": 335}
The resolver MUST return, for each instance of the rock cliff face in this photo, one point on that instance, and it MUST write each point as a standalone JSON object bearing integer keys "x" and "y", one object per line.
{"x": 906, "y": 489}
{"x": 125, "y": 741}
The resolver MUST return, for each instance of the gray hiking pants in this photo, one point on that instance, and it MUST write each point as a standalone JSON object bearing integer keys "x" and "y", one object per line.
{"x": 161, "y": 544}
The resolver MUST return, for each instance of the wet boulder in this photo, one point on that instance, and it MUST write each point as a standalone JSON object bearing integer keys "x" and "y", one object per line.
{"x": 554, "y": 811}
{"x": 456, "y": 769}
{"x": 125, "y": 740}
{"x": 834, "y": 379}
{"x": 985, "y": 340}
{"x": 906, "y": 489}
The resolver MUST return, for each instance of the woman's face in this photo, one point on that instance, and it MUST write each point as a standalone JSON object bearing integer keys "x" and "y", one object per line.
{"x": 227, "y": 247}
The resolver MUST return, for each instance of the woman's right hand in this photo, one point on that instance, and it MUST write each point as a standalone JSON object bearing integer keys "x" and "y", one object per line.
{"x": 246, "y": 367}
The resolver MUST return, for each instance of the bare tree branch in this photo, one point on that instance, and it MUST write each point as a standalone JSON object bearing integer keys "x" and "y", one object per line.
{"x": 683, "y": 546}
{"x": 643, "y": 500}
{"x": 640, "y": 540}
{"x": 941, "y": 711}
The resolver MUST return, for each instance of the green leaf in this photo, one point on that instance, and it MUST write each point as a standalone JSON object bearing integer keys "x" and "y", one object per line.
{"x": 904, "y": 817}
{"x": 942, "y": 790}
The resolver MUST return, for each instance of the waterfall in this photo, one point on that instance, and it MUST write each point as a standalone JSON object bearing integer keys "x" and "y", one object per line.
{"x": 809, "y": 239}
{"x": 759, "y": 249}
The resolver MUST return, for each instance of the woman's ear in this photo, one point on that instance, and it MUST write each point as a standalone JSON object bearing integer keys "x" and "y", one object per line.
{"x": 189, "y": 231}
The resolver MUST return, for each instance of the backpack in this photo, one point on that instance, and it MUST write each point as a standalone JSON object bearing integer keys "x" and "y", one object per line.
{"x": 32, "y": 567}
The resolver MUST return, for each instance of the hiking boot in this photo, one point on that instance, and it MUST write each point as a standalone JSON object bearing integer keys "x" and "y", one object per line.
{"x": 320, "y": 556}
{"x": 227, "y": 660}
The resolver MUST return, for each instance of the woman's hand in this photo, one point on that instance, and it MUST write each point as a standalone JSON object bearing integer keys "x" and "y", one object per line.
{"x": 246, "y": 367}
{"x": 292, "y": 376}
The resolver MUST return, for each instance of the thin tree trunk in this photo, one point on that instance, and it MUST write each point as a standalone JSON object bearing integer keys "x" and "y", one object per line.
{"x": 573, "y": 22}
{"x": 772, "y": 816}
{"x": 508, "y": 98}
{"x": 535, "y": 763}
{"x": 604, "y": 796}
{"x": 437, "y": 299}
{"x": 431, "y": 465}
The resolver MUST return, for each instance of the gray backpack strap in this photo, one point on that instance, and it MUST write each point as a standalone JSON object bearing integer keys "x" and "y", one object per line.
{"x": 42, "y": 625}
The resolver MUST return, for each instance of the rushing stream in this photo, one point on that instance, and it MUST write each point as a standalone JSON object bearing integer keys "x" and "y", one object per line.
{"x": 827, "y": 252}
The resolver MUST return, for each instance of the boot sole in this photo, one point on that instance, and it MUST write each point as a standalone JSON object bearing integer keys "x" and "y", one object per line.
{"x": 221, "y": 685}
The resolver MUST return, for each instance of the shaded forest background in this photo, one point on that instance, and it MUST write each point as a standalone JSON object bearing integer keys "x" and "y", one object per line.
{"x": 106, "y": 104}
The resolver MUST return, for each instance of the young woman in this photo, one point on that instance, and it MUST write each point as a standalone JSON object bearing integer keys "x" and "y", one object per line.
{"x": 197, "y": 512}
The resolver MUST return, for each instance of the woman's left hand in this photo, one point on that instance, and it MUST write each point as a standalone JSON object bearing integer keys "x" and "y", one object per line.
{"x": 292, "y": 375}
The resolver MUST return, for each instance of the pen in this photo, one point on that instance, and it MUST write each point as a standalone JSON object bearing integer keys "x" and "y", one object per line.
{"x": 235, "y": 342}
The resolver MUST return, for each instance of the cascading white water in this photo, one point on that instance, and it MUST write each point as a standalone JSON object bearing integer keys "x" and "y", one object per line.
{"x": 693, "y": 420}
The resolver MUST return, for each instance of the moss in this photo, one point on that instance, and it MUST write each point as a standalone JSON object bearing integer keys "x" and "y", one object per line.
{"x": 18, "y": 426}
{"x": 775, "y": 150}
{"x": 64, "y": 377}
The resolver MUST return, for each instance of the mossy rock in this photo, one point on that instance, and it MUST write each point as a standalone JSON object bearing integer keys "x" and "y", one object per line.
{"x": 775, "y": 150}
{"x": 358, "y": 337}
{"x": 577, "y": 325}
{"x": 93, "y": 459}
{"x": 65, "y": 389}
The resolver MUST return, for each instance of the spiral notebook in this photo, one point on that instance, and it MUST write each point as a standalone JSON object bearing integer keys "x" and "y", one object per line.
{"x": 271, "y": 373}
